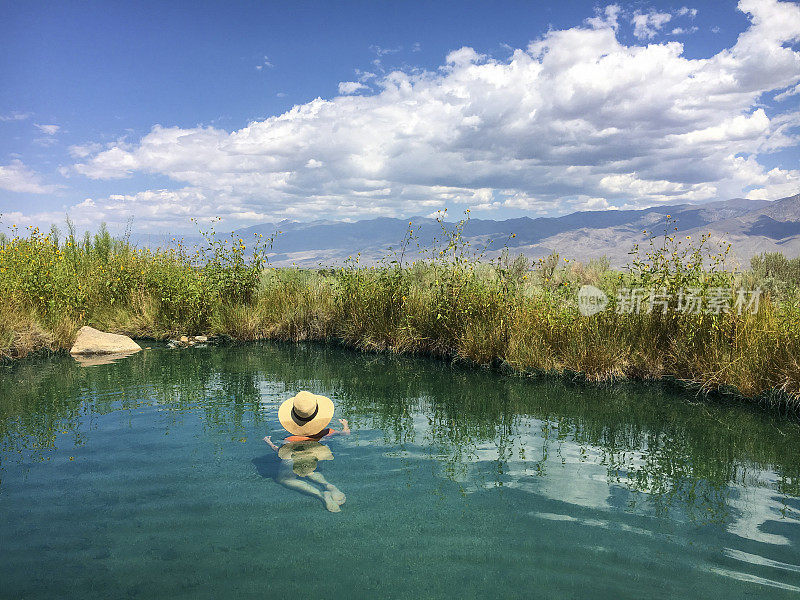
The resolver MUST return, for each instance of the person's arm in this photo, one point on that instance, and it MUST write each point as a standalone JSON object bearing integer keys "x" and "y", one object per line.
{"x": 345, "y": 429}
{"x": 268, "y": 439}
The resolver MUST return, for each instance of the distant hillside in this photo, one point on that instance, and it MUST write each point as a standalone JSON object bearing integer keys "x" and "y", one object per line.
{"x": 752, "y": 226}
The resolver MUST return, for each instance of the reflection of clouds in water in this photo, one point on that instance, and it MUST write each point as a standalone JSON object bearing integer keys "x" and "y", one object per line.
{"x": 757, "y": 506}
{"x": 603, "y": 524}
{"x": 778, "y": 567}
{"x": 760, "y": 560}
{"x": 559, "y": 468}
{"x": 580, "y": 480}
{"x": 537, "y": 460}
{"x": 749, "y": 578}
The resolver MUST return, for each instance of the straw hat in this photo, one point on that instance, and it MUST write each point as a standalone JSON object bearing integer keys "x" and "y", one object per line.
{"x": 306, "y": 414}
{"x": 304, "y": 455}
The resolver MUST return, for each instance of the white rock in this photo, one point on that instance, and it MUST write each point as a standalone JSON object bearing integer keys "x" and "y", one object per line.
{"x": 92, "y": 341}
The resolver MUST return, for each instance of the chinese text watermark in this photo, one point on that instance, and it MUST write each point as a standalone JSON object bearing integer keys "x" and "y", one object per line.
{"x": 694, "y": 301}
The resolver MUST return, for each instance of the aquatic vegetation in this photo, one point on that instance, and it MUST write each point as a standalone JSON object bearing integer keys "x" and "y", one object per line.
{"x": 452, "y": 304}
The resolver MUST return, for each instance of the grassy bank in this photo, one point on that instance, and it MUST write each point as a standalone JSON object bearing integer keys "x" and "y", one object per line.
{"x": 451, "y": 305}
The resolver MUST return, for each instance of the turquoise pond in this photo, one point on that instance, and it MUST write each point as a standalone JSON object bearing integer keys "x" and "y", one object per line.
{"x": 149, "y": 478}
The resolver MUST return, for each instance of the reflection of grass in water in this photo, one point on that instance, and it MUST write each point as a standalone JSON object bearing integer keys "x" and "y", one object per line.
{"x": 43, "y": 398}
{"x": 676, "y": 454}
{"x": 671, "y": 453}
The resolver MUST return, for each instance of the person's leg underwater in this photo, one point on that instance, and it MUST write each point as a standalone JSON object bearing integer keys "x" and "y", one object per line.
{"x": 295, "y": 483}
{"x": 335, "y": 492}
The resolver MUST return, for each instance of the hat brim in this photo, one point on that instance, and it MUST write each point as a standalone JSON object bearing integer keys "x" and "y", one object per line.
{"x": 307, "y": 428}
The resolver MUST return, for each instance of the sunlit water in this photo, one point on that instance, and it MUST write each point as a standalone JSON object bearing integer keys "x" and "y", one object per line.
{"x": 148, "y": 478}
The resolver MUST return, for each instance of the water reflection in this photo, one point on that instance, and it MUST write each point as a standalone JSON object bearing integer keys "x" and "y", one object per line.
{"x": 95, "y": 360}
{"x": 635, "y": 448}
{"x": 294, "y": 466}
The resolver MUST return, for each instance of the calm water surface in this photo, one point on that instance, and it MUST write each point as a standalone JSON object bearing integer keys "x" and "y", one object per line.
{"x": 148, "y": 478}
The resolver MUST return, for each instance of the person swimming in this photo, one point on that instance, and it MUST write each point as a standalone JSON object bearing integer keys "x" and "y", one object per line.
{"x": 306, "y": 417}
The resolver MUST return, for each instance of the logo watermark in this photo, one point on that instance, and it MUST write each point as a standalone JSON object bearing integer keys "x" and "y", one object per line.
{"x": 591, "y": 300}
{"x": 692, "y": 301}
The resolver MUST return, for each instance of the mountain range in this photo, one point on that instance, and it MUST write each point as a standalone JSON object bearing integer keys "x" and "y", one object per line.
{"x": 751, "y": 226}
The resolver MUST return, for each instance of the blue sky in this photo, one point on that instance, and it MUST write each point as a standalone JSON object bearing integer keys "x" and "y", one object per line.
{"x": 158, "y": 112}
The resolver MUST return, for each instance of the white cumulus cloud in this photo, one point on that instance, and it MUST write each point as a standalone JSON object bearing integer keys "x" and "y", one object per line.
{"x": 575, "y": 119}
{"x": 351, "y": 87}
{"x": 647, "y": 25}
{"x": 48, "y": 129}
{"x": 16, "y": 177}
{"x": 788, "y": 93}
{"x": 15, "y": 116}
{"x": 266, "y": 62}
